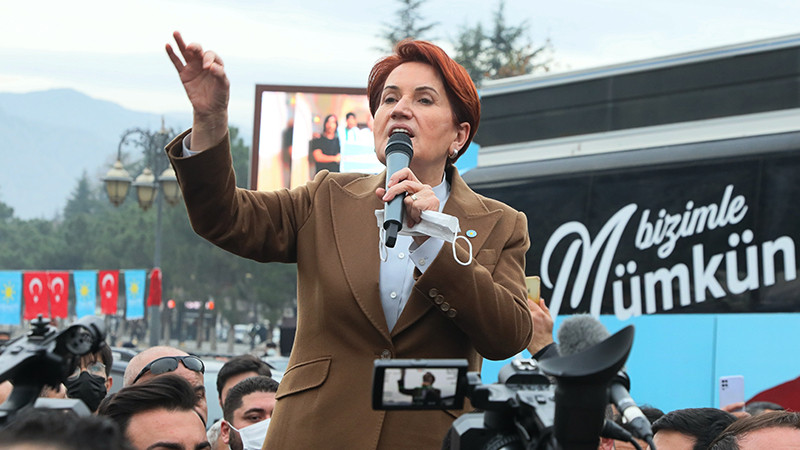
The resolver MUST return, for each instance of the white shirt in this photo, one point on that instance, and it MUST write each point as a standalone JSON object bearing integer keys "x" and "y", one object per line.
{"x": 397, "y": 272}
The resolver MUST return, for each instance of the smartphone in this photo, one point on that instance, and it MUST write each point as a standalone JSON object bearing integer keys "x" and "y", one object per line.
{"x": 411, "y": 384}
{"x": 533, "y": 284}
{"x": 731, "y": 390}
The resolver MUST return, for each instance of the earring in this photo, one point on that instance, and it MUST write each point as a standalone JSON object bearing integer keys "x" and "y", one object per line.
{"x": 453, "y": 154}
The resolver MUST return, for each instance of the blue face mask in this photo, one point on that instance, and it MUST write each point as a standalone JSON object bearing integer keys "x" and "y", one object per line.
{"x": 253, "y": 436}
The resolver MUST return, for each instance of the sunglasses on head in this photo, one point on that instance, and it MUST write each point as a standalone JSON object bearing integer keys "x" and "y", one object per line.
{"x": 170, "y": 363}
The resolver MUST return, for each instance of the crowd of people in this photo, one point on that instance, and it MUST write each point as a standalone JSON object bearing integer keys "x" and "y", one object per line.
{"x": 163, "y": 405}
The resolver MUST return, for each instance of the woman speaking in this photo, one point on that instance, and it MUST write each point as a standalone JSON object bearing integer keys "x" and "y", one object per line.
{"x": 358, "y": 300}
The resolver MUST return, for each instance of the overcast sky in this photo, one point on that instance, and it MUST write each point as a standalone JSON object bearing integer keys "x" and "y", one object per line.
{"x": 114, "y": 50}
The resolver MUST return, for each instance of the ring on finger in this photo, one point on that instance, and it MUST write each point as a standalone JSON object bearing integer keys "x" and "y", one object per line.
{"x": 414, "y": 197}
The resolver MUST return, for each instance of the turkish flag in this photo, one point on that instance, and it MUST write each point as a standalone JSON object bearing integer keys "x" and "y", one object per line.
{"x": 154, "y": 295}
{"x": 37, "y": 291}
{"x": 59, "y": 293}
{"x": 109, "y": 290}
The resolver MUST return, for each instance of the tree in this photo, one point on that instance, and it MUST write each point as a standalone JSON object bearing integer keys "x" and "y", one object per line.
{"x": 82, "y": 201}
{"x": 92, "y": 234}
{"x": 505, "y": 52}
{"x": 407, "y": 25}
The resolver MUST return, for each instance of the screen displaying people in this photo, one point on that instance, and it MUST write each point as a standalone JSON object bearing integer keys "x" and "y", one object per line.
{"x": 419, "y": 386}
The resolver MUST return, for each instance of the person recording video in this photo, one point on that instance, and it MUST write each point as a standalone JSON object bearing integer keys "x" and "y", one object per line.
{"x": 360, "y": 299}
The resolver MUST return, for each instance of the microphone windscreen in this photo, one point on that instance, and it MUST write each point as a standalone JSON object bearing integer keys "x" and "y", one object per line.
{"x": 579, "y": 332}
{"x": 399, "y": 141}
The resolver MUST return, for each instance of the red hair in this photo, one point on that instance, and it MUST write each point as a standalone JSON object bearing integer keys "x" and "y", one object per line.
{"x": 460, "y": 89}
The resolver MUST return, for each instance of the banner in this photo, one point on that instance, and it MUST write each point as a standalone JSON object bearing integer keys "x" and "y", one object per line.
{"x": 10, "y": 298}
{"x": 36, "y": 295}
{"x": 85, "y": 292}
{"x": 134, "y": 294}
{"x": 154, "y": 293}
{"x": 59, "y": 293}
{"x": 109, "y": 290}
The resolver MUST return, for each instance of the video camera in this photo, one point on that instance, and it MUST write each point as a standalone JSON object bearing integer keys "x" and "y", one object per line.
{"x": 558, "y": 403}
{"x": 45, "y": 356}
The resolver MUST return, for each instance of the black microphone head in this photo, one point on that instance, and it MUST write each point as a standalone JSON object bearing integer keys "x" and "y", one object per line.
{"x": 579, "y": 332}
{"x": 400, "y": 142}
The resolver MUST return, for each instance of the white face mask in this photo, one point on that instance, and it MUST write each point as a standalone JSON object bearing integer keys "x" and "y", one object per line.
{"x": 253, "y": 436}
{"x": 434, "y": 224}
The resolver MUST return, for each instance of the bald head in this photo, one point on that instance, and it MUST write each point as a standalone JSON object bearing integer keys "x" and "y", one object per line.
{"x": 137, "y": 363}
{"x": 141, "y": 360}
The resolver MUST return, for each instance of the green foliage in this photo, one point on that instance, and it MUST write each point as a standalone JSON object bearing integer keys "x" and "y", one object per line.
{"x": 92, "y": 234}
{"x": 407, "y": 24}
{"x": 504, "y": 52}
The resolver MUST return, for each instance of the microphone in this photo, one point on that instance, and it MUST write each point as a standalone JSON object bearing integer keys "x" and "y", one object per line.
{"x": 578, "y": 333}
{"x": 638, "y": 423}
{"x": 398, "y": 155}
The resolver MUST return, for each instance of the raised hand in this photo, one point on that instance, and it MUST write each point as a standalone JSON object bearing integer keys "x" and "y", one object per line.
{"x": 207, "y": 86}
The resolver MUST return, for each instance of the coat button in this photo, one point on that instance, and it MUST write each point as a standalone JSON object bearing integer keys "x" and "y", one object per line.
{"x": 433, "y": 292}
{"x": 439, "y": 299}
{"x": 386, "y": 354}
{"x": 452, "y": 313}
{"x": 445, "y": 306}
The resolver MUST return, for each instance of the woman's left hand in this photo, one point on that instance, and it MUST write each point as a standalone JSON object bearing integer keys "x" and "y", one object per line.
{"x": 420, "y": 197}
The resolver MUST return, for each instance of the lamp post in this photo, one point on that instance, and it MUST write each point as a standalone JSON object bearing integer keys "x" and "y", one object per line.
{"x": 156, "y": 176}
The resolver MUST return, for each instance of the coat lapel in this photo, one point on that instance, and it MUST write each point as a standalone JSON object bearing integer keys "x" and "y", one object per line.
{"x": 472, "y": 215}
{"x": 355, "y": 232}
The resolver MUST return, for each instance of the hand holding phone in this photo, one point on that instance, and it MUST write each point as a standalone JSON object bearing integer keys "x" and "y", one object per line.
{"x": 533, "y": 284}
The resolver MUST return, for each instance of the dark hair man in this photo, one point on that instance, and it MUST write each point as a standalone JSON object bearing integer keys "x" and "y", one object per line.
{"x": 776, "y": 429}
{"x": 690, "y": 428}
{"x": 247, "y": 410}
{"x": 756, "y": 408}
{"x": 231, "y": 373}
{"x": 52, "y": 429}
{"x": 158, "y": 413}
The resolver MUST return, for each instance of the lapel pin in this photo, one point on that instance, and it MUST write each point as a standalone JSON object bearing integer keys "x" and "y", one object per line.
{"x": 472, "y": 233}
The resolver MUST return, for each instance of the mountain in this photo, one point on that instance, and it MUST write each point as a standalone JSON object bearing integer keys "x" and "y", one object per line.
{"x": 49, "y": 138}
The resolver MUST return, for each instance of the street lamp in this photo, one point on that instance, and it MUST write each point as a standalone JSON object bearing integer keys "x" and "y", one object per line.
{"x": 118, "y": 182}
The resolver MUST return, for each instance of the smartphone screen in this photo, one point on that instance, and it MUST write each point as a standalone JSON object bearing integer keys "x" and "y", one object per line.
{"x": 731, "y": 390}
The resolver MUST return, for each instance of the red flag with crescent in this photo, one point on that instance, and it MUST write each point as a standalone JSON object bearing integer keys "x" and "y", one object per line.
{"x": 59, "y": 293}
{"x": 154, "y": 295}
{"x": 109, "y": 290}
{"x": 37, "y": 291}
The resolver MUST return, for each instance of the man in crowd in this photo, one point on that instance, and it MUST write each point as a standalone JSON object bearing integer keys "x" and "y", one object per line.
{"x": 92, "y": 378}
{"x": 756, "y": 408}
{"x": 53, "y": 429}
{"x": 158, "y": 414}
{"x": 777, "y": 430}
{"x": 690, "y": 428}
{"x": 247, "y": 410}
{"x": 156, "y": 361}
{"x": 232, "y": 372}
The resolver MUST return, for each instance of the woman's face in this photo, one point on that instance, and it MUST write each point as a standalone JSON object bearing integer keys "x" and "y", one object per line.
{"x": 330, "y": 124}
{"x": 414, "y": 101}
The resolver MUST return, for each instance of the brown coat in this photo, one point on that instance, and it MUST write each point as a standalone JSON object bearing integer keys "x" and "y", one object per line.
{"x": 328, "y": 228}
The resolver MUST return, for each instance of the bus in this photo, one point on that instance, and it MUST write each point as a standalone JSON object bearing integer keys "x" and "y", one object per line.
{"x": 661, "y": 193}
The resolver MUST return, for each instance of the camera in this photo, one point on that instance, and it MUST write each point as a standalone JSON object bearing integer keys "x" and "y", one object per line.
{"x": 558, "y": 403}
{"x": 44, "y": 356}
